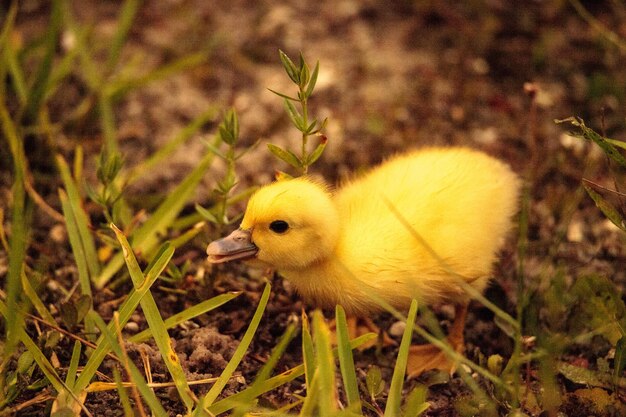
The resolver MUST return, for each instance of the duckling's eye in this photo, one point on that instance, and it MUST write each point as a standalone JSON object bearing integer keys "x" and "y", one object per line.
{"x": 279, "y": 226}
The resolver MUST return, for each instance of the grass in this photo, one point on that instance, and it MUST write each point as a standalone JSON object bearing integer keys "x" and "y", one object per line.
{"x": 125, "y": 253}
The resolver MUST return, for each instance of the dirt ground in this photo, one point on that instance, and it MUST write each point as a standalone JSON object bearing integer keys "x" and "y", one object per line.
{"x": 394, "y": 76}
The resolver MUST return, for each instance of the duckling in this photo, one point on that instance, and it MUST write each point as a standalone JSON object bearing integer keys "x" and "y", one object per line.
{"x": 339, "y": 247}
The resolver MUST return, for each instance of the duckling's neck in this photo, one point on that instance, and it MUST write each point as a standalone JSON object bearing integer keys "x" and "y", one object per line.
{"x": 327, "y": 283}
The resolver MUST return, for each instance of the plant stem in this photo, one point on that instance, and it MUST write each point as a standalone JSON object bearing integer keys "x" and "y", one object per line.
{"x": 305, "y": 135}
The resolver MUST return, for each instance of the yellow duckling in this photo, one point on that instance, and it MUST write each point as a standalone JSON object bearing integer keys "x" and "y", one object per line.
{"x": 336, "y": 248}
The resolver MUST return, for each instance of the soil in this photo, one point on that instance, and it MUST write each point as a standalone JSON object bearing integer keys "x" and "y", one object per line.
{"x": 394, "y": 76}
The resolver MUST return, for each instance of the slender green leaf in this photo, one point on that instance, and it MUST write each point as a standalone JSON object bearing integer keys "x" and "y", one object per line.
{"x": 224, "y": 377}
{"x": 618, "y": 143}
{"x": 18, "y": 241}
{"x": 83, "y": 239}
{"x": 206, "y": 214}
{"x": 593, "y": 136}
{"x": 346, "y": 361}
{"x": 312, "y": 400}
{"x": 187, "y": 314}
{"x": 33, "y": 298}
{"x": 179, "y": 139}
{"x": 40, "y": 84}
{"x": 10, "y": 57}
{"x": 120, "y": 88}
{"x": 317, "y": 152}
{"x": 325, "y": 366}
{"x": 285, "y": 155}
{"x": 248, "y": 396}
{"x": 289, "y": 66}
{"x": 122, "y": 392}
{"x": 295, "y": 116}
{"x": 78, "y": 249}
{"x": 312, "y": 81}
{"x": 305, "y": 73}
{"x": 308, "y": 351}
{"x": 607, "y": 208}
{"x": 70, "y": 378}
{"x": 124, "y": 23}
{"x": 394, "y": 399}
{"x": 155, "y": 322}
{"x": 188, "y": 235}
{"x": 108, "y": 124}
{"x": 285, "y": 96}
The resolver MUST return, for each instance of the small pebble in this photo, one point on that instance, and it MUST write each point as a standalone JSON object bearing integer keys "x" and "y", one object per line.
{"x": 397, "y": 328}
{"x": 131, "y": 327}
{"x": 58, "y": 233}
{"x": 575, "y": 231}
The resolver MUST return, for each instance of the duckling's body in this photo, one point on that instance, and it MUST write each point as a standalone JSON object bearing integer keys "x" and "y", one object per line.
{"x": 341, "y": 248}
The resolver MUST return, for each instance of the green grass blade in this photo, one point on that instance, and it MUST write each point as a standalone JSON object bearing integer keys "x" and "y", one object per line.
{"x": 187, "y": 314}
{"x": 591, "y": 135}
{"x": 346, "y": 361}
{"x": 229, "y": 403}
{"x": 120, "y": 88}
{"x": 107, "y": 124}
{"x": 147, "y": 236}
{"x": 194, "y": 231}
{"x": 40, "y": 84}
{"x": 123, "y": 394}
{"x": 162, "y": 154}
{"x": 265, "y": 372}
{"x": 76, "y": 243}
{"x": 18, "y": 241}
{"x": 308, "y": 351}
{"x": 84, "y": 238}
{"x": 278, "y": 351}
{"x": 89, "y": 70}
{"x": 394, "y": 400}
{"x": 312, "y": 399}
{"x": 221, "y": 382}
{"x": 70, "y": 378}
{"x": 125, "y": 312}
{"x": 124, "y": 23}
{"x": 137, "y": 378}
{"x": 608, "y": 209}
{"x": 10, "y": 61}
{"x": 155, "y": 322}
{"x": 33, "y": 298}
{"x": 325, "y": 366}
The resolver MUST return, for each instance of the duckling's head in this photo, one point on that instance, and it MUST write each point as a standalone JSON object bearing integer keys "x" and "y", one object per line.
{"x": 288, "y": 225}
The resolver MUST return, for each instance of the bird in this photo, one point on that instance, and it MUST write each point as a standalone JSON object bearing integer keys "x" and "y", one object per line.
{"x": 408, "y": 229}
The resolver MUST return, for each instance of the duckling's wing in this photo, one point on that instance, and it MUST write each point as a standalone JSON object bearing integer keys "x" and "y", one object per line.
{"x": 459, "y": 201}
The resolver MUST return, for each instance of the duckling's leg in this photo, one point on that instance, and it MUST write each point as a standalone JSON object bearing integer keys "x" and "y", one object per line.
{"x": 425, "y": 357}
{"x": 358, "y": 326}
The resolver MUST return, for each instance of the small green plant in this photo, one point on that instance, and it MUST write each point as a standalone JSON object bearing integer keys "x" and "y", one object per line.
{"x": 305, "y": 80}
{"x": 229, "y": 135}
{"x": 611, "y": 147}
{"x": 107, "y": 169}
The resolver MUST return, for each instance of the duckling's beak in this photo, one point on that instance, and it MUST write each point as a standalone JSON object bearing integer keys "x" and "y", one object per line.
{"x": 237, "y": 245}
